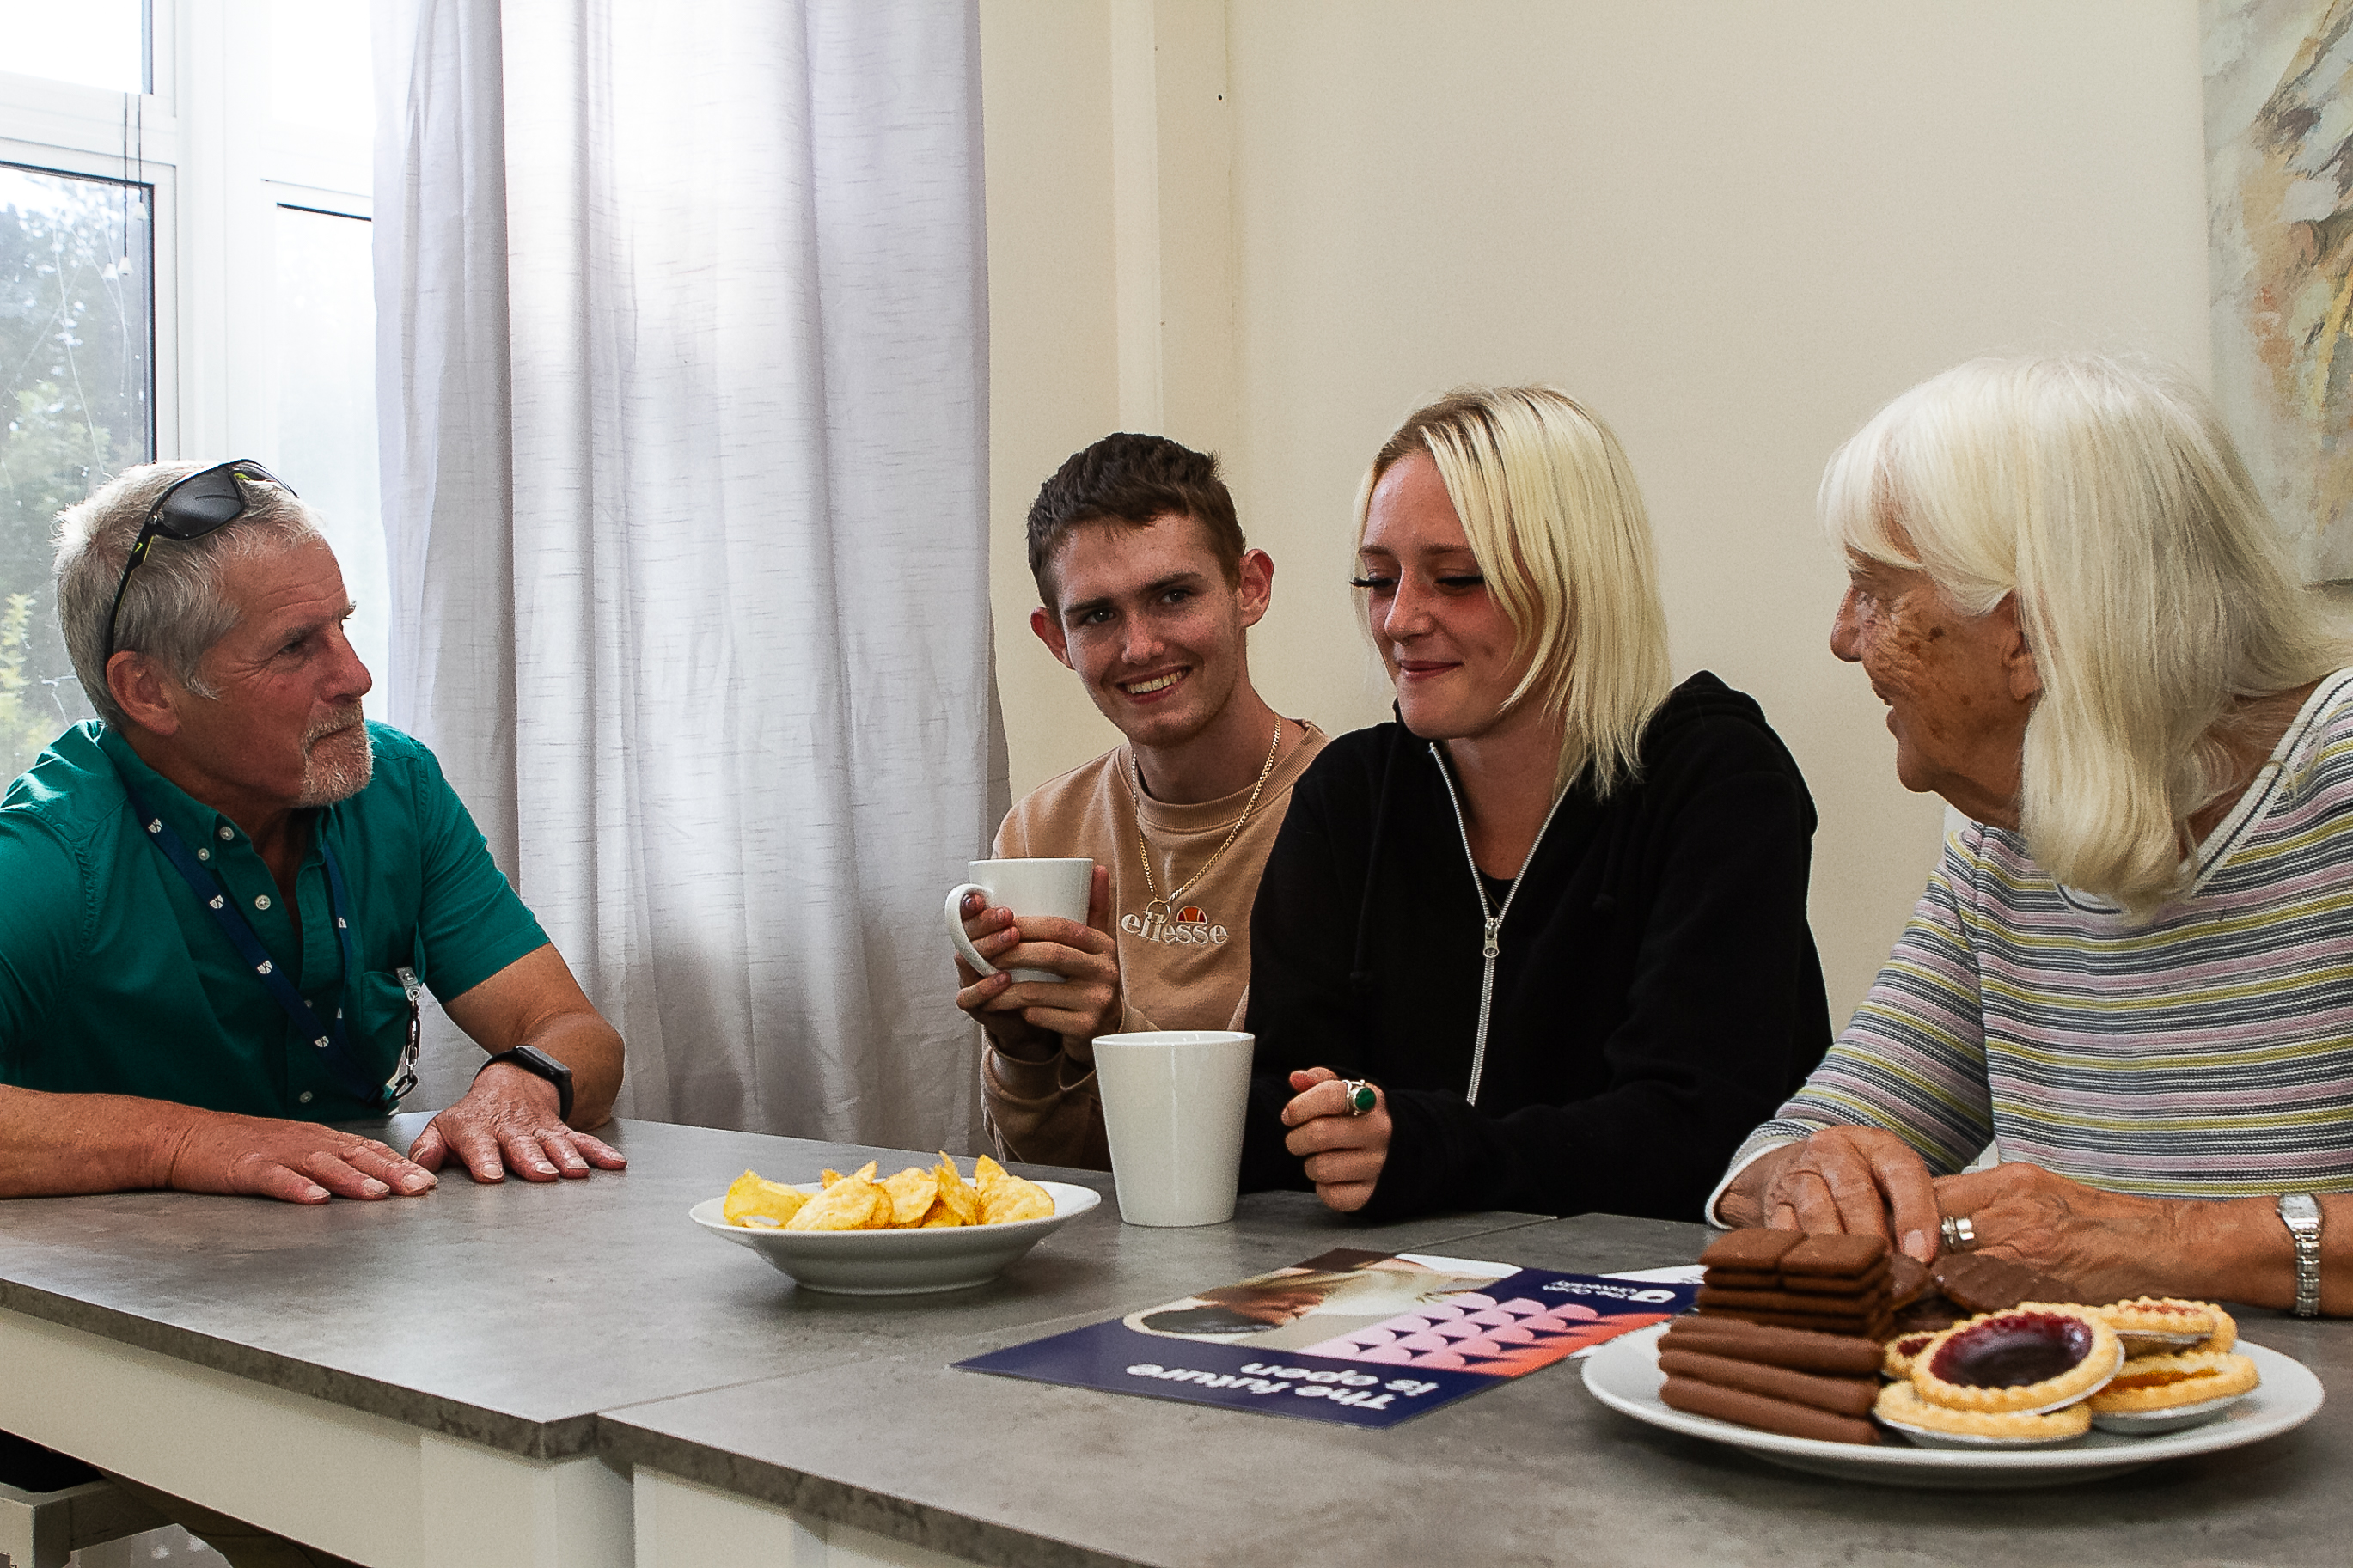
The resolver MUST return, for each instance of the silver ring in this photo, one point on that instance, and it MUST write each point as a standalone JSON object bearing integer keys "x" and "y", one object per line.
{"x": 1361, "y": 1097}
{"x": 1958, "y": 1233}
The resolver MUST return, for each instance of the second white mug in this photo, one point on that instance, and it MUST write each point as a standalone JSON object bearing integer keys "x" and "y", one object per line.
{"x": 1172, "y": 1104}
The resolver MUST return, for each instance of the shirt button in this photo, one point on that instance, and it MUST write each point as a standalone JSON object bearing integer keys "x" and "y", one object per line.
{"x": 203, "y": 854}
{"x": 262, "y": 902}
{"x": 303, "y": 1098}
{"x": 226, "y": 834}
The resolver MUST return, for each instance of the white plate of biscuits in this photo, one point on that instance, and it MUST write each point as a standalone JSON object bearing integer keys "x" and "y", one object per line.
{"x": 1624, "y": 1374}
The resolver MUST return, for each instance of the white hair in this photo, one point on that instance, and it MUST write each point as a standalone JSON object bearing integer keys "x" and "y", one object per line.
{"x": 2151, "y": 587}
{"x": 174, "y": 607}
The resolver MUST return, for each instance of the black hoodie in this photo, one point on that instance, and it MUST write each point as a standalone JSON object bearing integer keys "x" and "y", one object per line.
{"x": 1656, "y": 991}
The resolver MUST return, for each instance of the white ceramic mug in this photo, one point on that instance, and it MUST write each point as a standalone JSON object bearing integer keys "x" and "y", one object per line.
{"x": 1173, "y": 1102}
{"x": 1027, "y": 887}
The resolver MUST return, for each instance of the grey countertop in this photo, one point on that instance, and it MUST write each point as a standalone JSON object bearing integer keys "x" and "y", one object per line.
{"x": 553, "y": 1321}
{"x": 510, "y": 1315}
{"x": 1533, "y": 1471}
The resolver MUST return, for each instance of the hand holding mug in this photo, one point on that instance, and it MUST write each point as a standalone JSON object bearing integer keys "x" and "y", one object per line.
{"x": 1045, "y": 974}
{"x": 1345, "y": 1152}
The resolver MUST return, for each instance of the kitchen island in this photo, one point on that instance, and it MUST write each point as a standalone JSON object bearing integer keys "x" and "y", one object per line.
{"x": 574, "y": 1374}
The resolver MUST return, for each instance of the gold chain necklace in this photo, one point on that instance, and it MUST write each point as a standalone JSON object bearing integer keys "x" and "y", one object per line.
{"x": 1165, "y": 904}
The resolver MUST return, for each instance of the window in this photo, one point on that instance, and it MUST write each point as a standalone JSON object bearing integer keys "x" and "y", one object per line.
{"x": 183, "y": 272}
{"x": 322, "y": 379}
{"x": 93, "y": 43}
{"x": 317, "y": 389}
{"x": 76, "y": 345}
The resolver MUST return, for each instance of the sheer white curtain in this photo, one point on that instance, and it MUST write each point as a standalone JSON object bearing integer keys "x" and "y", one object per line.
{"x": 683, "y": 315}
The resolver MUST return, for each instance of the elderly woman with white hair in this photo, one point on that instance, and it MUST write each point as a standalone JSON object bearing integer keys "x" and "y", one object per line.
{"x": 1541, "y": 944}
{"x": 2130, "y": 970}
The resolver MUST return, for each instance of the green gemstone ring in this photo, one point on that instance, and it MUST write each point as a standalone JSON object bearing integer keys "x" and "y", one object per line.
{"x": 1361, "y": 1097}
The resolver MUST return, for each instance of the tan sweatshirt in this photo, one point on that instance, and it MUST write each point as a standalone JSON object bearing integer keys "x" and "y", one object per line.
{"x": 1188, "y": 970}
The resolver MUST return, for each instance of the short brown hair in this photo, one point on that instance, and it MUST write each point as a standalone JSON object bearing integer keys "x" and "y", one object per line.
{"x": 1133, "y": 479}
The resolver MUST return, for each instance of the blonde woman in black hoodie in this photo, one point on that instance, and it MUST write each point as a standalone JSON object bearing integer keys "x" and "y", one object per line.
{"x": 1541, "y": 944}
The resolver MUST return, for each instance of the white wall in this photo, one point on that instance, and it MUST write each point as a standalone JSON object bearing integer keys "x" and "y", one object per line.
{"x": 1734, "y": 229}
{"x": 1053, "y": 353}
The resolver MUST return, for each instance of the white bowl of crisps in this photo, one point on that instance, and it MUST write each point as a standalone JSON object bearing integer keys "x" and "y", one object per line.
{"x": 922, "y": 1230}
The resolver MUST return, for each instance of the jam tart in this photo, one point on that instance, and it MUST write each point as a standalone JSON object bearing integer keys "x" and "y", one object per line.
{"x": 1898, "y": 1362}
{"x": 2159, "y": 1325}
{"x": 1901, "y": 1406}
{"x": 2225, "y": 1338}
{"x": 2036, "y": 1356}
{"x": 2169, "y": 1382}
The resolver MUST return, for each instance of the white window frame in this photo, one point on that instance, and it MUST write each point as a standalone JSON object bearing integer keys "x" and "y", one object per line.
{"x": 205, "y": 143}
{"x": 58, "y": 126}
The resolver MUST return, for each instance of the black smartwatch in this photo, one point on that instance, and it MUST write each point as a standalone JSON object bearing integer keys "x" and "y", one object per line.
{"x": 545, "y": 1066}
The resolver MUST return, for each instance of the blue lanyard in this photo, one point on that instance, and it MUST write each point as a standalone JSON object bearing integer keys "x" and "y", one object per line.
{"x": 329, "y": 1038}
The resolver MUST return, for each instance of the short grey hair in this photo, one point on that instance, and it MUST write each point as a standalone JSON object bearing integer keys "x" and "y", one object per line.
{"x": 175, "y": 608}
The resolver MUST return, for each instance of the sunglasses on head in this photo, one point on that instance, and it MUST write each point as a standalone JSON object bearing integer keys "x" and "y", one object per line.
{"x": 189, "y": 508}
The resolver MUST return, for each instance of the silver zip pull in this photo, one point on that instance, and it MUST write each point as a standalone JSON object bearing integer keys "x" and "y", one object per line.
{"x": 1492, "y": 948}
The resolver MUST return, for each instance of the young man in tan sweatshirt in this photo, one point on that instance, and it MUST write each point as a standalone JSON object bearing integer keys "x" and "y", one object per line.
{"x": 1150, "y": 593}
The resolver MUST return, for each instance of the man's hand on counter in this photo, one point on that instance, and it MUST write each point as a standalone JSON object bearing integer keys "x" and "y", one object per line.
{"x": 298, "y": 1161}
{"x": 512, "y": 1118}
{"x": 509, "y": 1121}
{"x": 52, "y": 1146}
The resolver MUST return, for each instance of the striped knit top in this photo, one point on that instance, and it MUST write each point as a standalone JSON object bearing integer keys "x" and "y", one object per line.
{"x": 2207, "y": 1053}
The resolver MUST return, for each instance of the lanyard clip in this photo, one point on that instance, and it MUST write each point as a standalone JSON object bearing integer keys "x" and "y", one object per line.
{"x": 403, "y": 1077}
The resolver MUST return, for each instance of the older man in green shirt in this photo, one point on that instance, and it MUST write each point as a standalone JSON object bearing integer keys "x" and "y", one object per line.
{"x": 225, "y": 895}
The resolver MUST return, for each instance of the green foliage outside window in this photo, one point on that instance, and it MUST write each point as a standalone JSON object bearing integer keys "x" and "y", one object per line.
{"x": 26, "y": 726}
{"x": 75, "y": 380}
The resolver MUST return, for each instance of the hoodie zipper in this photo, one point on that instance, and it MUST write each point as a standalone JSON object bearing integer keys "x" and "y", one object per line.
{"x": 1491, "y": 940}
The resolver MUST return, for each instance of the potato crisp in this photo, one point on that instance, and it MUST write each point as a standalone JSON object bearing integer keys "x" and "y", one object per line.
{"x": 916, "y": 1198}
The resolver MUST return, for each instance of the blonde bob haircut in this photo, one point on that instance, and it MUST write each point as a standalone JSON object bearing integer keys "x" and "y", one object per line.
{"x": 1552, "y": 512}
{"x": 2151, "y": 587}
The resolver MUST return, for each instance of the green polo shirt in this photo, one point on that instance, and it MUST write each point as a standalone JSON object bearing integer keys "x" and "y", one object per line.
{"x": 116, "y": 979}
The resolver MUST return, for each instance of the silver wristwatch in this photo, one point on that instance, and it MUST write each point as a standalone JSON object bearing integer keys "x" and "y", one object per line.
{"x": 2300, "y": 1212}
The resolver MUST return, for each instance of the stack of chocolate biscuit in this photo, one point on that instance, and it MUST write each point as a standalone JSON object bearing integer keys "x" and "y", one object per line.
{"x": 1829, "y": 1284}
{"x": 1792, "y": 1381}
{"x": 1786, "y": 1336}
